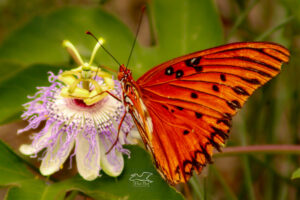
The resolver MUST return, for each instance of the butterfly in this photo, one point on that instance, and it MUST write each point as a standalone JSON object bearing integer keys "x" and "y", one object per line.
{"x": 183, "y": 107}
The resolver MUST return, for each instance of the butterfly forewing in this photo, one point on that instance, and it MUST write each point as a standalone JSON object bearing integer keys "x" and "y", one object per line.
{"x": 191, "y": 100}
{"x": 243, "y": 60}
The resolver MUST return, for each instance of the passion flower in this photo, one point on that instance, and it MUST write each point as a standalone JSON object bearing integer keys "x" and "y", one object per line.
{"x": 80, "y": 117}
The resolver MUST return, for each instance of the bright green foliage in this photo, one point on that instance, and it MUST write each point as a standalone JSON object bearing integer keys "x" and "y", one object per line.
{"x": 296, "y": 174}
{"x": 16, "y": 84}
{"x": 180, "y": 27}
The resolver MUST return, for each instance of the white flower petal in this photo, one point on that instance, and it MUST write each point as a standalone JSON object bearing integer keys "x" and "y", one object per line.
{"x": 52, "y": 161}
{"x": 38, "y": 145}
{"x": 122, "y": 137}
{"x": 134, "y": 132}
{"x": 27, "y": 149}
{"x": 131, "y": 138}
{"x": 88, "y": 165}
{"x": 112, "y": 163}
{"x": 134, "y": 135}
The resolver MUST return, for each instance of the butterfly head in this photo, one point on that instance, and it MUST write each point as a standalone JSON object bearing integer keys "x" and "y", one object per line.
{"x": 124, "y": 74}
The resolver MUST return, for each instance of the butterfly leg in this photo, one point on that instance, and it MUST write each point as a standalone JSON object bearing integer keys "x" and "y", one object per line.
{"x": 111, "y": 94}
{"x": 114, "y": 96}
{"x": 119, "y": 129}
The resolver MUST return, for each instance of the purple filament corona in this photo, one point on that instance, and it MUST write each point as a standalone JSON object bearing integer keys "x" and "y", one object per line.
{"x": 65, "y": 118}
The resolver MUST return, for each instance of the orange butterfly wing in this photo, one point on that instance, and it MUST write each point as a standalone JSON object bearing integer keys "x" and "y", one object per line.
{"x": 191, "y": 100}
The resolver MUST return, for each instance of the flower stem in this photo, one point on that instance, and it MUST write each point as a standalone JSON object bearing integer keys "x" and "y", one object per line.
{"x": 259, "y": 149}
{"x": 196, "y": 187}
{"x": 246, "y": 163}
{"x": 229, "y": 193}
{"x": 264, "y": 35}
{"x": 241, "y": 18}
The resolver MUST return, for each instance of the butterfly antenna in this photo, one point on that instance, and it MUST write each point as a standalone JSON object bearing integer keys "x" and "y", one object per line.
{"x": 109, "y": 69}
{"x": 101, "y": 45}
{"x": 136, "y": 34}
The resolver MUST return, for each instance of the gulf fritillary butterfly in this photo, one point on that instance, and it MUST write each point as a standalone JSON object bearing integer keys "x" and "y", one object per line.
{"x": 183, "y": 107}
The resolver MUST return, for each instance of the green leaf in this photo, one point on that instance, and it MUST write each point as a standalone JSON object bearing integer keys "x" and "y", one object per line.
{"x": 40, "y": 40}
{"x": 16, "y": 83}
{"x": 184, "y": 26}
{"x": 180, "y": 27}
{"x": 15, "y": 175}
{"x": 296, "y": 174}
{"x": 23, "y": 184}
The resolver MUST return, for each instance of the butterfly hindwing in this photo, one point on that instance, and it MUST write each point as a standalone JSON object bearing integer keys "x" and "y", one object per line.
{"x": 191, "y": 100}
{"x": 182, "y": 145}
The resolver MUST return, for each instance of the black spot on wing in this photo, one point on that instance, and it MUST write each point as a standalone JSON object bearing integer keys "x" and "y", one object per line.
{"x": 215, "y": 88}
{"x": 185, "y": 132}
{"x": 211, "y": 140}
{"x": 224, "y": 121}
{"x": 198, "y": 115}
{"x": 223, "y": 77}
{"x": 194, "y": 95}
{"x": 169, "y": 71}
{"x": 179, "y": 108}
{"x": 179, "y": 73}
{"x": 198, "y": 69}
{"x": 234, "y": 104}
{"x": 219, "y": 132}
{"x": 241, "y": 91}
{"x": 193, "y": 62}
{"x": 227, "y": 116}
{"x": 165, "y": 107}
{"x": 253, "y": 81}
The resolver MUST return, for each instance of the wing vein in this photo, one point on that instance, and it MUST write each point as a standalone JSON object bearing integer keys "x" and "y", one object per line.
{"x": 180, "y": 100}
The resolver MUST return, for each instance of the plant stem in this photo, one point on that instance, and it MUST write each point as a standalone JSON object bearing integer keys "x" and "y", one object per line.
{"x": 196, "y": 187}
{"x": 259, "y": 149}
{"x": 229, "y": 193}
{"x": 241, "y": 18}
{"x": 248, "y": 177}
{"x": 72, "y": 195}
{"x": 273, "y": 29}
{"x": 245, "y": 162}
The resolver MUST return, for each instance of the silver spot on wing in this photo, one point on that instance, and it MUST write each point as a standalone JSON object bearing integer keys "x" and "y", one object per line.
{"x": 128, "y": 100}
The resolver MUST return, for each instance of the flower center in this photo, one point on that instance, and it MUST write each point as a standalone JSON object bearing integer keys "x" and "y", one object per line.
{"x": 80, "y": 103}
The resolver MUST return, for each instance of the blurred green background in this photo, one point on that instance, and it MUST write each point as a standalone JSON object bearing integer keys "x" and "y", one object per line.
{"x": 30, "y": 45}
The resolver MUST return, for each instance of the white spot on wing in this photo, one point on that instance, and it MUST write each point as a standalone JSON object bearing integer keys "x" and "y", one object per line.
{"x": 128, "y": 100}
{"x": 149, "y": 124}
{"x": 148, "y": 118}
{"x": 143, "y": 105}
{"x": 193, "y": 60}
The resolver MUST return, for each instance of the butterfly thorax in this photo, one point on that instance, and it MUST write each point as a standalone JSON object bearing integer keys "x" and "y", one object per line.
{"x": 134, "y": 104}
